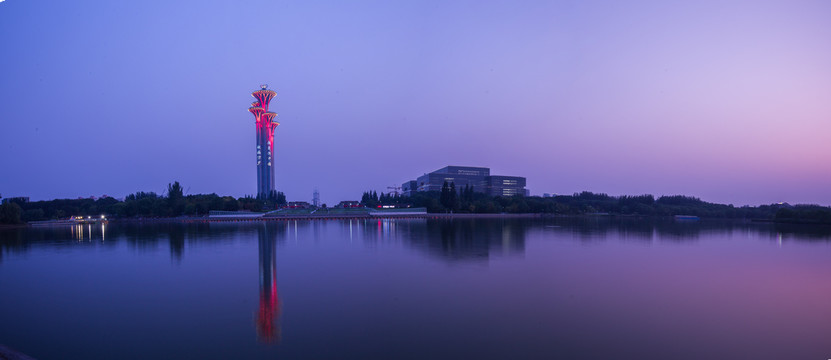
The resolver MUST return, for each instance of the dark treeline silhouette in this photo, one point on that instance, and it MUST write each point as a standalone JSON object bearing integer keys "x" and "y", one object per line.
{"x": 139, "y": 204}
{"x": 449, "y": 199}
{"x": 804, "y": 214}
{"x": 464, "y": 200}
{"x": 372, "y": 199}
{"x": 10, "y": 213}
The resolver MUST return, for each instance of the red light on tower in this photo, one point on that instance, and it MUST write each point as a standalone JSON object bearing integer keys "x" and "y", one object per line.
{"x": 269, "y": 117}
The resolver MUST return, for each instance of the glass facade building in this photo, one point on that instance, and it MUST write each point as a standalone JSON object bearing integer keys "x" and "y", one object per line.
{"x": 479, "y": 178}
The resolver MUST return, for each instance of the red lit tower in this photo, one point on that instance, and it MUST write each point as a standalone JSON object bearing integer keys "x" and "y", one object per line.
{"x": 265, "y": 141}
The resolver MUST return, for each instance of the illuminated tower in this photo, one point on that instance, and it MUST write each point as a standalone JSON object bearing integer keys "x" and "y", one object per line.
{"x": 265, "y": 141}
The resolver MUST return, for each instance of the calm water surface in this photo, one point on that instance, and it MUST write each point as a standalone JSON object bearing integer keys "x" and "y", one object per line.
{"x": 418, "y": 288}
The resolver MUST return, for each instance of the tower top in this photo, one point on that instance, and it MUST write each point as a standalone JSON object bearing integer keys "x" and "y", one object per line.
{"x": 264, "y": 86}
{"x": 263, "y": 96}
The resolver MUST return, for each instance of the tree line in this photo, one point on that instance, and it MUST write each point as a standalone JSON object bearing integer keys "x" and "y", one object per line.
{"x": 450, "y": 199}
{"x": 372, "y": 199}
{"x": 465, "y": 200}
{"x": 140, "y": 204}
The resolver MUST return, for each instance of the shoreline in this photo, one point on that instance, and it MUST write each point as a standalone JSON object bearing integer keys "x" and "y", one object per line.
{"x": 12, "y": 354}
{"x": 207, "y": 219}
{"x": 334, "y": 217}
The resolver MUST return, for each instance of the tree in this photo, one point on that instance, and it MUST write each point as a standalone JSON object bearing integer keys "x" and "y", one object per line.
{"x": 454, "y": 197}
{"x": 444, "y": 199}
{"x": 10, "y": 213}
{"x": 248, "y": 203}
{"x": 175, "y": 199}
{"x": 174, "y": 191}
{"x": 280, "y": 199}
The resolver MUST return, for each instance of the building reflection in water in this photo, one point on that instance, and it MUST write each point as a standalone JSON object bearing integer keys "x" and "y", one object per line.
{"x": 453, "y": 239}
{"x": 268, "y": 315}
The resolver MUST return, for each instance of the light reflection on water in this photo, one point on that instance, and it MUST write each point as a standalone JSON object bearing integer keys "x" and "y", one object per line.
{"x": 418, "y": 288}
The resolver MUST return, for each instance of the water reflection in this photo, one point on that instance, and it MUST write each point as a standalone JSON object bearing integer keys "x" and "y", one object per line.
{"x": 268, "y": 314}
{"x": 450, "y": 239}
{"x": 587, "y": 288}
{"x": 84, "y": 232}
{"x": 802, "y": 232}
{"x": 648, "y": 230}
{"x": 176, "y": 239}
{"x": 455, "y": 239}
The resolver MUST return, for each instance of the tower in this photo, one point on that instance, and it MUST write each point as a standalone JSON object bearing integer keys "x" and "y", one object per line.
{"x": 265, "y": 141}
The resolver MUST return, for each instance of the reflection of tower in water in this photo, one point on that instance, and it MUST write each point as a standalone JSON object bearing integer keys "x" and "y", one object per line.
{"x": 268, "y": 315}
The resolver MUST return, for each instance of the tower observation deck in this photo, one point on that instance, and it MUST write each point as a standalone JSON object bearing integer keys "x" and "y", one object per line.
{"x": 265, "y": 141}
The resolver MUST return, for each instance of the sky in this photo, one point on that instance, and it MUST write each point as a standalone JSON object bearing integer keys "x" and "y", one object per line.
{"x": 729, "y": 101}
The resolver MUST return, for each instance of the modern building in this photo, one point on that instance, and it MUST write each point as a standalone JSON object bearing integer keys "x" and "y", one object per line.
{"x": 409, "y": 187}
{"x": 265, "y": 141}
{"x": 479, "y": 178}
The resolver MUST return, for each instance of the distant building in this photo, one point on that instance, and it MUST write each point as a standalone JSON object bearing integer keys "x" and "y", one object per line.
{"x": 479, "y": 178}
{"x": 348, "y": 204}
{"x": 393, "y": 206}
{"x": 298, "y": 205}
{"x": 409, "y": 187}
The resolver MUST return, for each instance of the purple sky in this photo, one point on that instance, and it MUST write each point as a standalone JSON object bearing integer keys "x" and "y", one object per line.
{"x": 727, "y": 101}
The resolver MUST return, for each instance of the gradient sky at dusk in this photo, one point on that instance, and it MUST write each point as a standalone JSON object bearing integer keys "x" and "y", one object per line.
{"x": 729, "y": 101}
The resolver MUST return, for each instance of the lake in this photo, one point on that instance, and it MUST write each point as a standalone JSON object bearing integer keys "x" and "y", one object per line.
{"x": 586, "y": 288}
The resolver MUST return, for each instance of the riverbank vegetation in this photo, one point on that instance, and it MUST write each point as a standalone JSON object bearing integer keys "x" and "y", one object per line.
{"x": 175, "y": 203}
{"x": 588, "y": 203}
{"x": 140, "y": 204}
